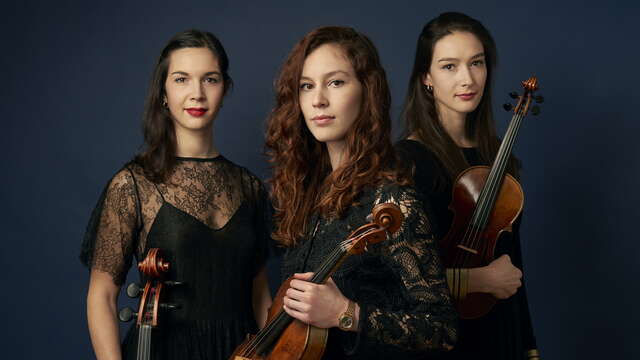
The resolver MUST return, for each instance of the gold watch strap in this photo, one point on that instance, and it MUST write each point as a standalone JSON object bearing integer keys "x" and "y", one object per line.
{"x": 533, "y": 354}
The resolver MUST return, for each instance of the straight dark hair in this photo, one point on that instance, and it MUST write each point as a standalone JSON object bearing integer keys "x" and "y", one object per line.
{"x": 419, "y": 112}
{"x": 158, "y": 156}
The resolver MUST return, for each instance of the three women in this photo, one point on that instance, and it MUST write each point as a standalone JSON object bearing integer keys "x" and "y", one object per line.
{"x": 329, "y": 142}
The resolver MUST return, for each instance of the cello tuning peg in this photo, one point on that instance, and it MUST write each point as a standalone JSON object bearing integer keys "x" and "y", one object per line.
{"x": 535, "y": 110}
{"x": 507, "y": 107}
{"x": 169, "y": 306}
{"x": 173, "y": 283}
{"x": 513, "y": 95}
{"x": 126, "y": 314}
{"x": 539, "y": 99}
{"x": 133, "y": 290}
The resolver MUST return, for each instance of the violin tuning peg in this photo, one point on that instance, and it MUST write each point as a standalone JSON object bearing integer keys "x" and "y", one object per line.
{"x": 535, "y": 110}
{"x": 173, "y": 283}
{"x": 169, "y": 306}
{"x": 513, "y": 95}
{"x": 133, "y": 290}
{"x": 126, "y": 314}
{"x": 539, "y": 99}
{"x": 507, "y": 107}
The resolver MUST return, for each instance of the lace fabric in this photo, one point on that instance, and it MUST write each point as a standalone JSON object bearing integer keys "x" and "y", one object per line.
{"x": 398, "y": 283}
{"x": 210, "y": 190}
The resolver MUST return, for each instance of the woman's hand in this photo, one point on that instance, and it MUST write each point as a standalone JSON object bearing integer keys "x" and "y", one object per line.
{"x": 319, "y": 305}
{"x": 500, "y": 278}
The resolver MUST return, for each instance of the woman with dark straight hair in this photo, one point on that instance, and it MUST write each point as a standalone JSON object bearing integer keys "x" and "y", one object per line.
{"x": 449, "y": 128}
{"x": 207, "y": 215}
{"x": 328, "y": 138}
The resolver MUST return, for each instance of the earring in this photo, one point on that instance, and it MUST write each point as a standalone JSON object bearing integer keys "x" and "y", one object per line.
{"x": 429, "y": 88}
{"x": 164, "y": 103}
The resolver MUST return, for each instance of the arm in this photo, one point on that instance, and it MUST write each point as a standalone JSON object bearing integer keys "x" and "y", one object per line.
{"x": 427, "y": 319}
{"x": 107, "y": 250}
{"x": 500, "y": 278}
{"x": 261, "y": 297}
{"x": 101, "y": 316}
{"x": 423, "y": 318}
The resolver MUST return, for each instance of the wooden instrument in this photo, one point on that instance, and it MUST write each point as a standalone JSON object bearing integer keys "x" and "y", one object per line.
{"x": 286, "y": 338}
{"x": 485, "y": 202}
{"x": 153, "y": 267}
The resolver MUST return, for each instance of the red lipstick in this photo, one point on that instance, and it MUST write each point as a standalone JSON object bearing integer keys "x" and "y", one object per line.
{"x": 196, "y": 112}
{"x": 467, "y": 96}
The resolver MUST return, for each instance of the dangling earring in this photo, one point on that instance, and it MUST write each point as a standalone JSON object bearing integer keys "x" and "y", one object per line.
{"x": 430, "y": 88}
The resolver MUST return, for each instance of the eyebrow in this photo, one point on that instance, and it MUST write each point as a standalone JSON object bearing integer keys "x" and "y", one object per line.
{"x": 479, "y": 55}
{"x": 330, "y": 74}
{"x": 187, "y": 74}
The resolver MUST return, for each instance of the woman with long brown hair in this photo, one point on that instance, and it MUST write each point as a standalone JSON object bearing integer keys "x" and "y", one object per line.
{"x": 328, "y": 138}
{"x": 206, "y": 214}
{"x": 449, "y": 128}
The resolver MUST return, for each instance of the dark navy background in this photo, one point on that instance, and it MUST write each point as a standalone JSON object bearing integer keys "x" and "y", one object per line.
{"x": 74, "y": 77}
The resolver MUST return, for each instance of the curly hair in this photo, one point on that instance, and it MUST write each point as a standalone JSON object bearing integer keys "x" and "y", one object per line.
{"x": 303, "y": 181}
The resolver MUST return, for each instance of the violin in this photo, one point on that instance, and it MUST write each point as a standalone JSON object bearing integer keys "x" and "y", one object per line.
{"x": 486, "y": 202}
{"x": 153, "y": 267}
{"x": 286, "y": 338}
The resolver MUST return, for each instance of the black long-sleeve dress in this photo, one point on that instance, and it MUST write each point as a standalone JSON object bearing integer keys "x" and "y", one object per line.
{"x": 505, "y": 333}
{"x": 209, "y": 220}
{"x": 405, "y": 308}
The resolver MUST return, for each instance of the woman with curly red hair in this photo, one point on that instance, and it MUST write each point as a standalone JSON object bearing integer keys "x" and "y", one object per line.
{"x": 328, "y": 139}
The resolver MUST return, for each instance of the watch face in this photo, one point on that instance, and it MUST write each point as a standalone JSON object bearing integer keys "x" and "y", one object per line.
{"x": 346, "y": 322}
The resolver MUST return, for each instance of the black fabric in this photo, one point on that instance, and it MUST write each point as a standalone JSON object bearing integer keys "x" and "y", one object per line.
{"x": 214, "y": 249}
{"x": 506, "y": 332}
{"x": 405, "y": 308}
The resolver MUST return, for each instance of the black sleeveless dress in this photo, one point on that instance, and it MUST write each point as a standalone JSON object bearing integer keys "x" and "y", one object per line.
{"x": 209, "y": 220}
{"x": 506, "y": 332}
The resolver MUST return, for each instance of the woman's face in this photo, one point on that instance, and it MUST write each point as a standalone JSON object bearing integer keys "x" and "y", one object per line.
{"x": 194, "y": 88}
{"x": 457, "y": 74}
{"x": 330, "y": 93}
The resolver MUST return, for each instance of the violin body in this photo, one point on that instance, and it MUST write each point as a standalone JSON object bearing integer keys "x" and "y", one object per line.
{"x": 507, "y": 207}
{"x": 299, "y": 341}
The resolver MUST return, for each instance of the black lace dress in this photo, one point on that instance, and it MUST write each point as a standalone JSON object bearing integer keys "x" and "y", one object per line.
{"x": 209, "y": 220}
{"x": 405, "y": 308}
{"x": 506, "y": 332}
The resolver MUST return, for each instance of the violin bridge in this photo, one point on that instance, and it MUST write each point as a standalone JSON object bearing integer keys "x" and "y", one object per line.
{"x": 475, "y": 252}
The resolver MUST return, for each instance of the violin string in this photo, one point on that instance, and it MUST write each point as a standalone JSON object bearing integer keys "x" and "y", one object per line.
{"x": 496, "y": 181}
{"x": 496, "y": 185}
{"x": 472, "y": 234}
{"x": 482, "y": 213}
{"x": 337, "y": 252}
{"x": 267, "y": 331}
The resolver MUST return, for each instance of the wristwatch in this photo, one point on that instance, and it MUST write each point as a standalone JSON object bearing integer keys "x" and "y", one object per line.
{"x": 346, "y": 320}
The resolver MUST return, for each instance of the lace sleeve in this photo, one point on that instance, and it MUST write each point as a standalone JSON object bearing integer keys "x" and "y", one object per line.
{"x": 424, "y": 317}
{"x": 109, "y": 240}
